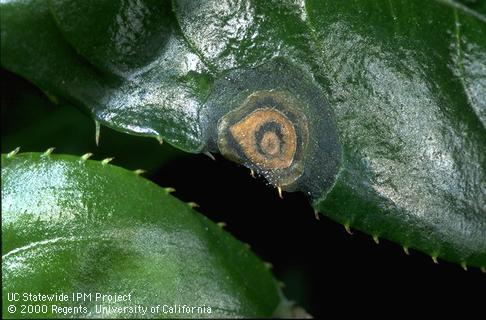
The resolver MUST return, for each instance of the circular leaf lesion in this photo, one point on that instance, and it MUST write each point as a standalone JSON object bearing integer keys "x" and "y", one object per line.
{"x": 267, "y": 132}
{"x": 267, "y": 137}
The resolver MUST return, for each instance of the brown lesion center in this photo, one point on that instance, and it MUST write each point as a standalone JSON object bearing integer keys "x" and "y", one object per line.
{"x": 268, "y": 149}
{"x": 270, "y": 143}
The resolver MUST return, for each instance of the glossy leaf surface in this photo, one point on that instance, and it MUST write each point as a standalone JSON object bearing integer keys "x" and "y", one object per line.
{"x": 73, "y": 225}
{"x": 401, "y": 87}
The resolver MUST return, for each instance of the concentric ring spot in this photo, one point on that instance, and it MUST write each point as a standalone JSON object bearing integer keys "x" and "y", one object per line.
{"x": 267, "y": 133}
{"x": 267, "y": 137}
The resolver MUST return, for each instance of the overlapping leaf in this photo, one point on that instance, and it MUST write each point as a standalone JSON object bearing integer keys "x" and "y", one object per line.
{"x": 71, "y": 225}
{"x": 405, "y": 79}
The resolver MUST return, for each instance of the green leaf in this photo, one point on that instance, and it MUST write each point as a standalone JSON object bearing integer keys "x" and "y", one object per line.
{"x": 32, "y": 121}
{"x": 407, "y": 83}
{"x": 127, "y": 35}
{"x": 381, "y": 105}
{"x": 158, "y": 98}
{"x": 71, "y": 225}
{"x": 408, "y": 101}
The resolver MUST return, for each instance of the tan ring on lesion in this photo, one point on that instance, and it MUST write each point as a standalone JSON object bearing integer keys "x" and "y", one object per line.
{"x": 270, "y": 149}
{"x": 267, "y": 132}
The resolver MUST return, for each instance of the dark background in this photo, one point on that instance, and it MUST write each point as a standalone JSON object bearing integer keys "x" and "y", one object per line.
{"x": 325, "y": 269}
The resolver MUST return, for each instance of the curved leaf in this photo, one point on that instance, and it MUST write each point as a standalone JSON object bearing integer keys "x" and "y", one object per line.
{"x": 157, "y": 99}
{"x": 410, "y": 105}
{"x": 30, "y": 120}
{"x": 382, "y": 105}
{"x": 71, "y": 225}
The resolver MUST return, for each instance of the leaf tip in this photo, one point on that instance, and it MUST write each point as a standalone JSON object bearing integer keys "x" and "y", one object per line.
{"x": 139, "y": 171}
{"x": 221, "y": 224}
{"x": 193, "y": 205}
{"x": 86, "y": 156}
{"x": 48, "y": 152}
{"x": 279, "y": 189}
{"x": 53, "y": 98}
{"x": 169, "y": 190}
{"x": 405, "y": 249}
{"x": 434, "y": 258}
{"x": 376, "y": 239}
{"x": 97, "y": 132}
{"x": 209, "y": 154}
{"x": 12, "y": 153}
{"x": 105, "y": 161}
{"x": 347, "y": 227}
